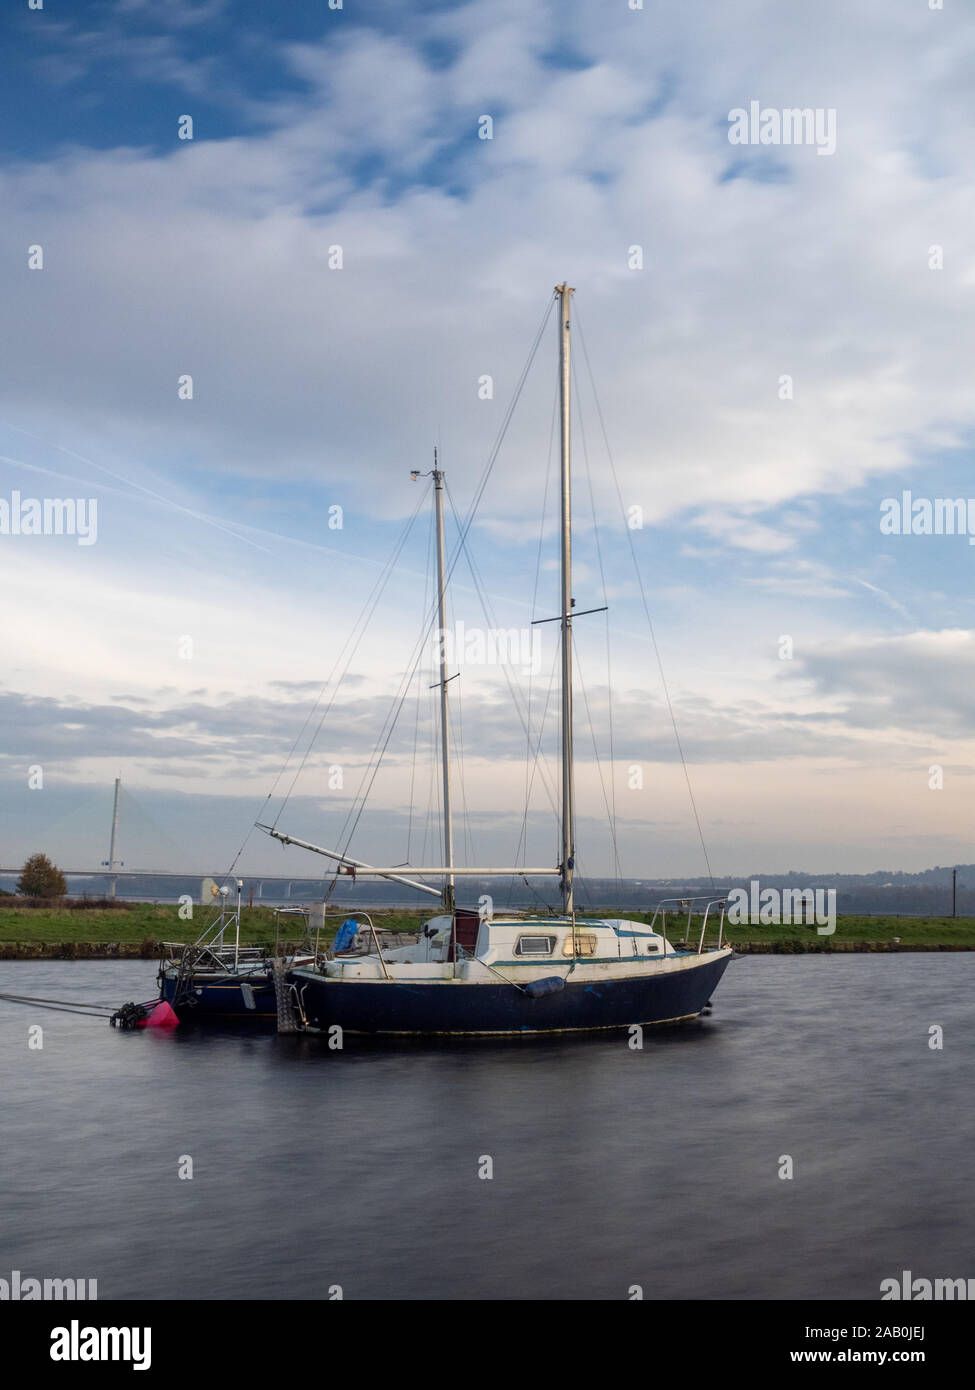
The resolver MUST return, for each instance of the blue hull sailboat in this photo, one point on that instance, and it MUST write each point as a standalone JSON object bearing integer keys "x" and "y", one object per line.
{"x": 217, "y": 980}
{"x": 548, "y": 975}
{"x": 472, "y": 973}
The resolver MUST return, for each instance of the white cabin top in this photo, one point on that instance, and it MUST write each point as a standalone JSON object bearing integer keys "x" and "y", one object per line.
{"x": 534, "y": 941}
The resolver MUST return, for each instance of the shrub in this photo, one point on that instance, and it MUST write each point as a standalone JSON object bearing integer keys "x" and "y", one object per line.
{"x": 97, "y": 904}
{"x": 39, "y": 878}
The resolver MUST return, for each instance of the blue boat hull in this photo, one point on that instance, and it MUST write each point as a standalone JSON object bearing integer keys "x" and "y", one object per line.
{"x": 366, "y": 1006}
{"x": 226, "y": 1001}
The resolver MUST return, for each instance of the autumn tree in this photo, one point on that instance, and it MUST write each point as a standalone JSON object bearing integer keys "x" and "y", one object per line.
{"x": 39, "y": 878}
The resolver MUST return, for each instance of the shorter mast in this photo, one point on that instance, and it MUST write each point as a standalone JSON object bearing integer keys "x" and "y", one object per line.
{"x": 448, "y": 828}
{"x": 448, "y": 825}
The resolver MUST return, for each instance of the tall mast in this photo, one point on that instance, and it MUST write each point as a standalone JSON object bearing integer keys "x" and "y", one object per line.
{"x": 448, "y": 829}
{"x": 565, "y": 292}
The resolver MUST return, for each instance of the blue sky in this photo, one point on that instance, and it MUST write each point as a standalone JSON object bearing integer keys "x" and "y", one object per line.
{"x": 317, "y": 387}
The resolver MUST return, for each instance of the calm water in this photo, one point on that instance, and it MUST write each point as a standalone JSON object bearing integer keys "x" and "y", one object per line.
{"x": 611, "y": 1167}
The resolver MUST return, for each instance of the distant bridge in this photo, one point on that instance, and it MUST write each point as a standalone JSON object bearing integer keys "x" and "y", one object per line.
{"x": 276, "y": 885}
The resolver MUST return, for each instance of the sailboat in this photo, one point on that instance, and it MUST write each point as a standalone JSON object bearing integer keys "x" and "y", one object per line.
{"x": 217, "y": 980}
{"x": 474, "y": 973}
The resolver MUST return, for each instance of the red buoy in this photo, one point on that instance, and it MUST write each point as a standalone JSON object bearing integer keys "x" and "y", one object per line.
{"x": 162, "y": 1016}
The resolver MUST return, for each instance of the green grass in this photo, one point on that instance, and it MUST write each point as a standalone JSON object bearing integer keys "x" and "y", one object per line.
{"x": 928, "y": 931}
{"x": 135, "y": 923}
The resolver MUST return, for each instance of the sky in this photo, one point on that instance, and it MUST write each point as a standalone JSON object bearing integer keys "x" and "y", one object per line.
{"x": 780, "y": 340}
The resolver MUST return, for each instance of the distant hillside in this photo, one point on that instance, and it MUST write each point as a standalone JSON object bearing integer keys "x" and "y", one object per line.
{"x": 888, "y": 892}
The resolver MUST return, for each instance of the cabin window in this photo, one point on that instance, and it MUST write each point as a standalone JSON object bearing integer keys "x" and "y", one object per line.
{"x": 535, "y": 945}
{"x": 585, "y": 944}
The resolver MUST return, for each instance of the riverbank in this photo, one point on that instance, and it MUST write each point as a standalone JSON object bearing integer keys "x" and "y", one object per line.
{"x": 115, "y": 950}
{"x": 136, "y": 931}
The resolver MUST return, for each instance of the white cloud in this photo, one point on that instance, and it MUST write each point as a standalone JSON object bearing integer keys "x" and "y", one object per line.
{"x": 824, "y": 278}
{"x": 213, "y": 259}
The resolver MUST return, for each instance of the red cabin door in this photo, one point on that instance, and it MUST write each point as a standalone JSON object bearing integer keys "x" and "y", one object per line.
{"x": 466, "y": 924}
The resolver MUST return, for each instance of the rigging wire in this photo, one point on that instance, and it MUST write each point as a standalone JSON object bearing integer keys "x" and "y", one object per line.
{"x": 611, "y": 802}
{"x": 386, "y": 733}
{"x": 458, "y": 744}
{"x": 537, "y": 767}
{"x": 375, "y": 758}
{"x": 429, "y": 827}
{"x": 595, "y": 749}
{"x": 513, "y": 690}
{"x": 412, "y": 791}
{"x": 533, "y": 610}
{"x": 523, "y": 836}
{"x": 359, "y": 625}
{"x": 416, "y": 725}
{"x": 646, "y": 606}
{"x": 359, "y": 802}
{"x": 435, "y": 808}
{"x": 552, "y": 683}
{"x": 378, "y": 591}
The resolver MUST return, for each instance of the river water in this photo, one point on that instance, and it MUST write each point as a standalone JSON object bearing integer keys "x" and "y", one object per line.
{"x": 611, "y": 1167}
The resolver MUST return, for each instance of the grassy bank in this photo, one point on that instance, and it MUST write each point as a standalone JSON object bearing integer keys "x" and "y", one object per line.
{"x": 137, "y": 929}
{"x": 932, "y": 932}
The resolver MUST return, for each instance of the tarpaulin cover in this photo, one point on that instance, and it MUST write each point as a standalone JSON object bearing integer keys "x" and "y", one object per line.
{"x": 346, "y": 934}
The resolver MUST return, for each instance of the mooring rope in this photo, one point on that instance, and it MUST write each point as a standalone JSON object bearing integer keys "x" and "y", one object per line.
{"x": 71, "y": 1006}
